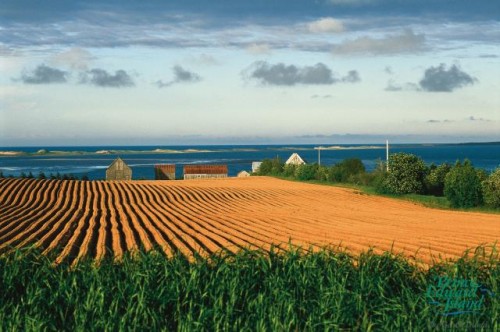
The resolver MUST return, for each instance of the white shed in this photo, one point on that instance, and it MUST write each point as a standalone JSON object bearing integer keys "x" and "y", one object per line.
{"x": 243, "y": 174}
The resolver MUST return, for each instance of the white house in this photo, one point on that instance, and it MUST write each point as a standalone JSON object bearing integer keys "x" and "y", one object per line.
{"x": 255, "y": 166}
{"x": 295, "y": 159}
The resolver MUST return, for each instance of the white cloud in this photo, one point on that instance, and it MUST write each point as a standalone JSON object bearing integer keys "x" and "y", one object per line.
{"x": 6, "y": 51}
{"x": 405, "y": 42}
{"x": 204, "y": 59}
{"x": 74, "y": 58}
{"x": 326, "y": 24}
{"x": 258, "y": 48}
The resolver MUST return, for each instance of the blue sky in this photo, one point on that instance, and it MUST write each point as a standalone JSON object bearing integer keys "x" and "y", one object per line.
{"x": 194, "y": 72}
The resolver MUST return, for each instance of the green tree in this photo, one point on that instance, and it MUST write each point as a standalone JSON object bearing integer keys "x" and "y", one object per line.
{"x": 306, "y": 172}
{"x": 41, "y": 176}
{"x": 406, "y": 174}
{"x": 434, "y": 181}
{"x": 271, "y": 167}
{"x": 277, "y": 166}
{"x": 289, "y": 170}
{"x": 462, "y": 186}
{"x": 491, "y": 189}
{"x": 321, "y": 173}
{"x": 345, "y": 170}
{"x": 265, "y": 167}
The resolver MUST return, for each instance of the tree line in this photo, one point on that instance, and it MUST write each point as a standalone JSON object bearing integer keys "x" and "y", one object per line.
{"x": 463, "y": 185}
{"x": 42, "y": 176}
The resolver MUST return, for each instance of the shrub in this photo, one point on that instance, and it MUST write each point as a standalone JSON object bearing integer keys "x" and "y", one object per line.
{"x": 277, "y": 166}
{"x": 491, "y": 189}
{"x": 406, "y": 174}
{"x": 289, "y": 170}
{"x": 265, "y": 167}
{"x": 462, "y": 186}
{"x": 306, "y": 172}
{"x": 379, "y": 182}
{"x": 335, "y": 174}
{"x": 322, "y": 173}
{"x": 482, "y": 174}
{"x": 346, "y": 169}
{"x": 434, "y": 181}
{"x": 365, "y": 179}
{"x": 353, "y": 166}
{"x": 271, "y": 167}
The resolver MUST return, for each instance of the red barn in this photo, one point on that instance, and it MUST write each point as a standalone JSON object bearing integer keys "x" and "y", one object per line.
{"x": 205, "y": 172}
{"x": 165, "y": 172}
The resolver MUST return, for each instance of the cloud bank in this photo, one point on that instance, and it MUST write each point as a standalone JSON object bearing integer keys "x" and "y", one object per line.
{"x": 44, "y": 74}
{"x": 324, "y": 25}
{"x": 75, "y": 58}
{"x": 181, "y": 75}
{"x": 258, "y": 49}
{"x": 281, "y": 74}
{"x": 436, "y": 79}
{"x": 405, "y": 42}
{"x": 440, "y": 79}
{"x": 101, "y": 78}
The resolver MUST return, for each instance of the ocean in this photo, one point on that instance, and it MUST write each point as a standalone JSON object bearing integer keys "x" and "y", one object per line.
{"x": 93, "y": 161}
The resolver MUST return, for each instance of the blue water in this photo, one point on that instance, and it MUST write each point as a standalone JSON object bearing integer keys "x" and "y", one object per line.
{"x": 84, "y": 161}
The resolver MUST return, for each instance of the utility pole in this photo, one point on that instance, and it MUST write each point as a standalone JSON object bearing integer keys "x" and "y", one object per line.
{"x": 387, "y": 154}
{"x": 319, "y": 154}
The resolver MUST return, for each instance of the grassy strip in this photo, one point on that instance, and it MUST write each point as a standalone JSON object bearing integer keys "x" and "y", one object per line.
{"x": 252, "y": 290}
{"x": 425, "y": 200}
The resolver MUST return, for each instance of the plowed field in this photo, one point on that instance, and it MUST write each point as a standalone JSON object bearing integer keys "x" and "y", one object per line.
{"x": 99, "y": 218}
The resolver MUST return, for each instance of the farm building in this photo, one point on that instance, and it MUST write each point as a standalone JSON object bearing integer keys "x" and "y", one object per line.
{"x": 295, "y": 159}
{"x": 165, "y": 172}
{"x": 255, "y": 166}
{"x": 205, "y": 171}
{"x": 243, "y": 174}
{"x": 118, "y": 170}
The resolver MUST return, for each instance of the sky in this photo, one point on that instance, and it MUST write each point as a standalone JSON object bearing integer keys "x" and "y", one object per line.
{"x": 248, "y": 72}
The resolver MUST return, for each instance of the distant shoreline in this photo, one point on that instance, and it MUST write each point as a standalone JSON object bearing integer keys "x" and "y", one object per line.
{"x": 117, "y": 150}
